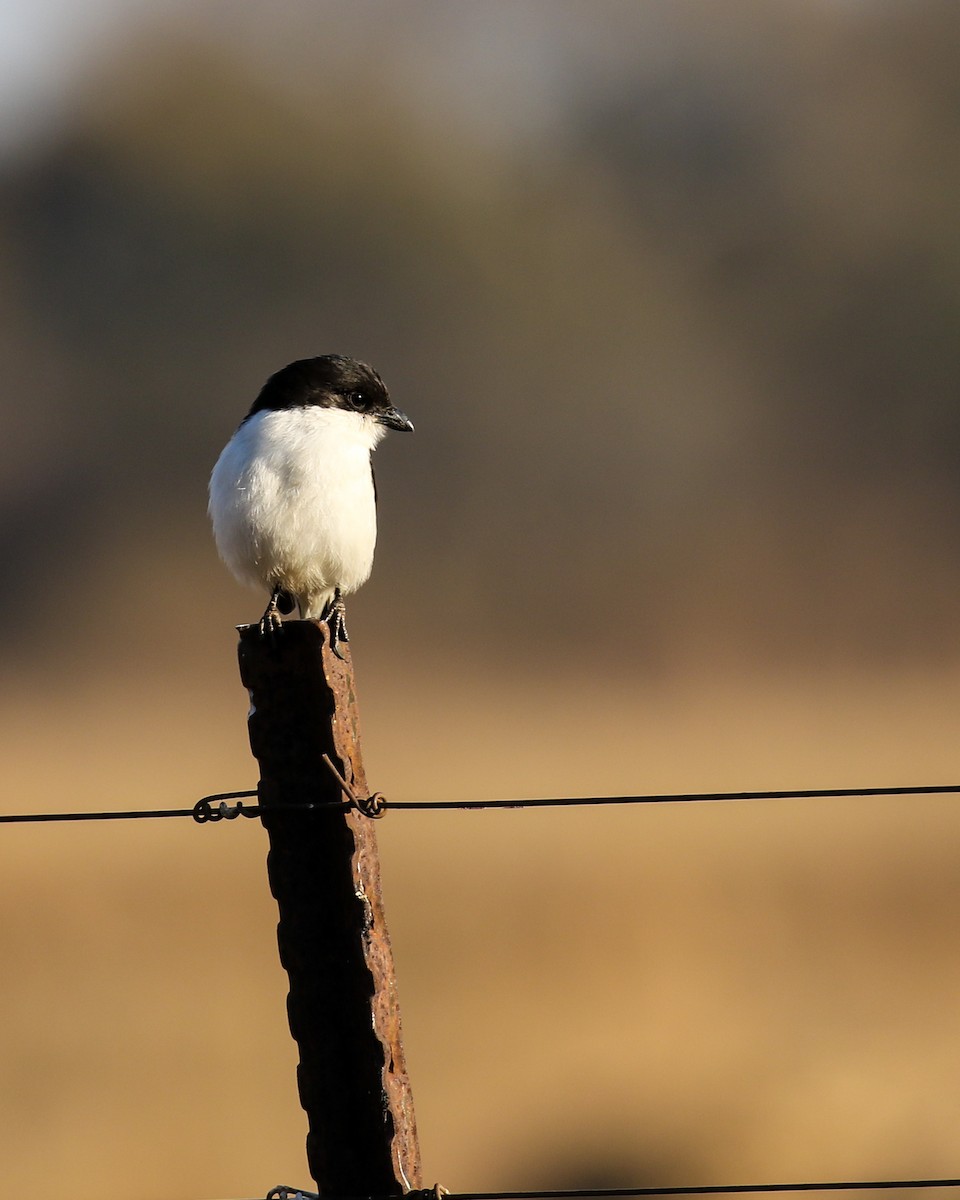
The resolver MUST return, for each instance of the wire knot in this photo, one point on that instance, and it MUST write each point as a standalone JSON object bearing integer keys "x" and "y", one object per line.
{"x": 373, "y": 806}
{"x": 282, "y": 1192}
{"x": 204, "y": 810}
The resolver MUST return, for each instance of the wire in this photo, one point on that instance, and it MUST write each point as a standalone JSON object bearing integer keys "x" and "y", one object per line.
{"x": 139, "y": 814}
{"x": 204, "y": 811}
{"x": 290, "y": 1193}
{"x": 143, "y": 814}
{"x": 716, "y": 1190}
{"x": 675, "y": 798}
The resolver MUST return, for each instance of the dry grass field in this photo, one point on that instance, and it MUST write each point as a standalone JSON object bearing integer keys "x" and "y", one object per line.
{"x": 737, "y": 992}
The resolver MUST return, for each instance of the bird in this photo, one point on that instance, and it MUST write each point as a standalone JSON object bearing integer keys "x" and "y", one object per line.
{"x": 293, "y": 498}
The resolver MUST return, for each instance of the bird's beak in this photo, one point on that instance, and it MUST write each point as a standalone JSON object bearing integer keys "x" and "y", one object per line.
{"x": 393, "y": 418}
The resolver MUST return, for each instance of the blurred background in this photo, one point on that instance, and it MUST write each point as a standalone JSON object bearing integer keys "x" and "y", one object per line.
{"x": 671, "y": 291}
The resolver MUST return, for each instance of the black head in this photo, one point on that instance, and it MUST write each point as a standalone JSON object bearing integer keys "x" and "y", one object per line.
{"x": 330, "y": 381}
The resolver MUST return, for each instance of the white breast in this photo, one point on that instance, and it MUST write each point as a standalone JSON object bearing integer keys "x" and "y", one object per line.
{"x": 292, "y": 502}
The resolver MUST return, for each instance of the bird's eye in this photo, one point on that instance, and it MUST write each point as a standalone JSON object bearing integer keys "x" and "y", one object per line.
{"x": 356, "y": 400}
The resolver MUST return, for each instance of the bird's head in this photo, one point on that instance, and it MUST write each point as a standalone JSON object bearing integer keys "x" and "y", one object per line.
{"x": 332, "y": 381}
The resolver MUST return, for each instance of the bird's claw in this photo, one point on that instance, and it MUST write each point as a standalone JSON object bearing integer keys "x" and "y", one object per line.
{"x": 271, "y": 622}
{"x": 335, "y": 616}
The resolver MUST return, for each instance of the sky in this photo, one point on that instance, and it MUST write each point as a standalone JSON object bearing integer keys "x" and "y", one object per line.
{"x": 45, "y": 46}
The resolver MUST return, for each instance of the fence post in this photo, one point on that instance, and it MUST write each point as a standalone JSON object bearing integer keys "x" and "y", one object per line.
{"x": 324, "y": 872}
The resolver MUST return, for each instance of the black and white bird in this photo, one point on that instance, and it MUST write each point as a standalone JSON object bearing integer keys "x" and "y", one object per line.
{"x": 293, "y": 497}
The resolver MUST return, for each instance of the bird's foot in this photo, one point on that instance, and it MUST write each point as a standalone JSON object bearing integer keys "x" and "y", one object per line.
{"x": 271, "y": 622}
{"x": 335, "y": 617}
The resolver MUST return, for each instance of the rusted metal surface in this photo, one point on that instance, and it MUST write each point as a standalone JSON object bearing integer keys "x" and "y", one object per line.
{"x": 324, "y": 872}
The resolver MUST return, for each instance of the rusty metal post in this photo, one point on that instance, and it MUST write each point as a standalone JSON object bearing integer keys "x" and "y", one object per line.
{"x": 324, "y": 872}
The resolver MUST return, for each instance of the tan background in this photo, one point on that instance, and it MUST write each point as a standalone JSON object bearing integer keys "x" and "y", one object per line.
{"x": 671, "y": 291}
